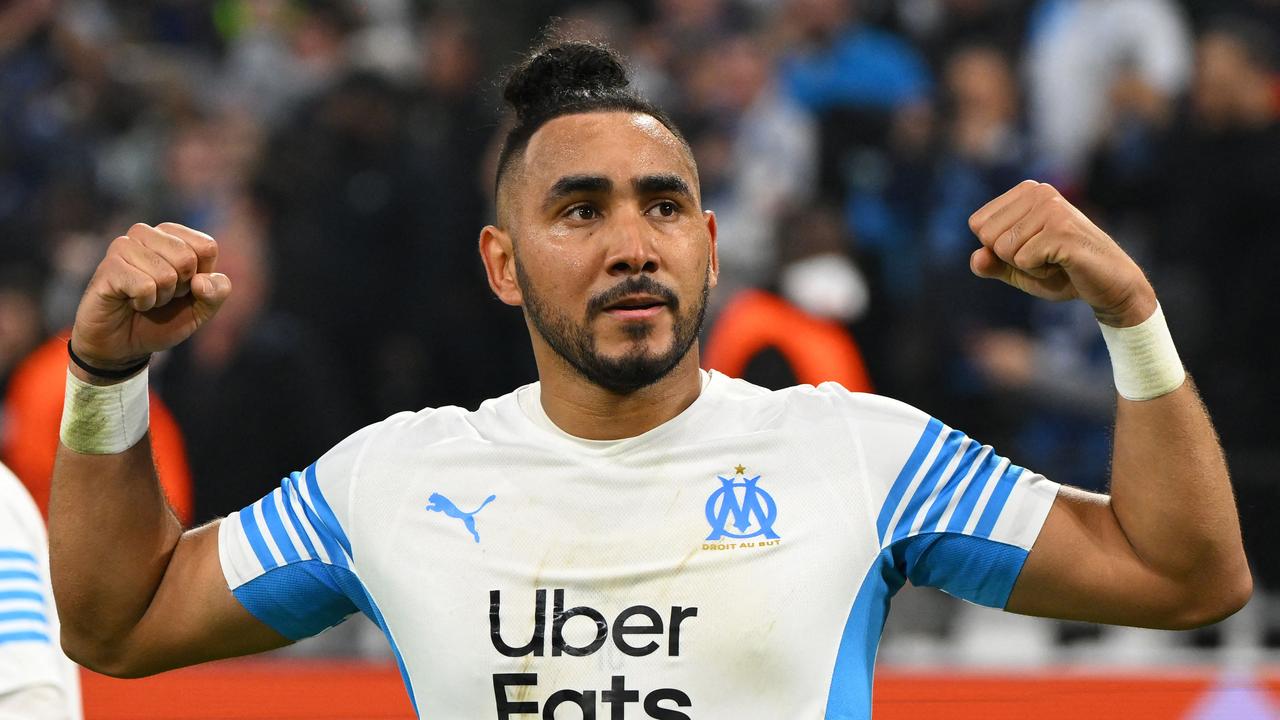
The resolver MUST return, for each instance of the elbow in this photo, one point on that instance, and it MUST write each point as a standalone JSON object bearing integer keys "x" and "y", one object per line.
{"x": 104, "y": 658}
{"x": 1214, "y": 602}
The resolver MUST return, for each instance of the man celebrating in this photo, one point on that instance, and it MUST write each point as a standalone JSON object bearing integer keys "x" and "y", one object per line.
{"x": 630, "y": 536}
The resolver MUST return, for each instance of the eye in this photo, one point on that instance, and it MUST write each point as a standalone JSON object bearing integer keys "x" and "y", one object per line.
{"x": 665, "y": 208}
{"x": 582, "y": 212}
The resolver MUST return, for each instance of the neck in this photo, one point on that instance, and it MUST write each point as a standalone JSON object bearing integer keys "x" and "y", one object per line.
{"x": 586, "y": 410}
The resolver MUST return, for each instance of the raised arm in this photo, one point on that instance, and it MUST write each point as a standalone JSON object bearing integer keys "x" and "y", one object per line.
{"x": 1163, "y": 549}
{"x": 136, "y": 594}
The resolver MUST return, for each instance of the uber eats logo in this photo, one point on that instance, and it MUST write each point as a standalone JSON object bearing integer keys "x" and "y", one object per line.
{"x": 637, "y": 631}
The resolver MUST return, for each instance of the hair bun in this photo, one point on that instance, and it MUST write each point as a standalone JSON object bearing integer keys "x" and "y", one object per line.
{"x": 564, "y": 73}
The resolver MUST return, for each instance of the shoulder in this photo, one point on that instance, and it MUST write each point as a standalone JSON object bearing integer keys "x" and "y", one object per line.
{"x": 437, "y": 425}
{"x": 20, "y": 520}
{"x": 824, "y": 403}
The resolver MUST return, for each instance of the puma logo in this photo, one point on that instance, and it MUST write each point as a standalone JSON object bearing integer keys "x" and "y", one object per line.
{"x": 442, "y": 504}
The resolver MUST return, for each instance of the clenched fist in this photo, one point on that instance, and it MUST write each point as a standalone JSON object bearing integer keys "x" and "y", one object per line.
{"x": 154, "y": 288}
{"x": 1036, "y": 241}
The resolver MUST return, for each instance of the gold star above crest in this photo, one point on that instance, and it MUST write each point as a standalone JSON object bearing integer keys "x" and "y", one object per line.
{"x": 740, "y": 469}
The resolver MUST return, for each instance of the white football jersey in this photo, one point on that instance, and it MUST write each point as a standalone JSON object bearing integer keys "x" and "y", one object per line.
{"x": 734, "y": 562}
{"x": 37, "y": 681}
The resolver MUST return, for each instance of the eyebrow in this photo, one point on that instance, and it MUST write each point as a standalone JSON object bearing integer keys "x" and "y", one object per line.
{"x": 574, "y": 184}
{"x": 661, "y": 184}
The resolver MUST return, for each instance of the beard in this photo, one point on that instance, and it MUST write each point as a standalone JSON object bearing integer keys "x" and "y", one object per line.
{"x": 636, "y": 367}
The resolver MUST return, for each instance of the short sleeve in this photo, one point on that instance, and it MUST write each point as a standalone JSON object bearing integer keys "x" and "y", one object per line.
{"x": 31, "y": 658}
{"x": 954, "y": 514}
{"x": 288, "y": 558}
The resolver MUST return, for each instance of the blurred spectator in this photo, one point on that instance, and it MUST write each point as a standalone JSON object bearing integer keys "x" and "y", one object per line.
{"x": 759, "y": 155}
{"x": 1080, "y": 52}
{"x": 21, "y": 328}
{"x": 984, "y": 153}
{"x": 940, "y": 27}
{"x": 871, "y": 92}
{"x": 280, "y": 53}
{"x": 33, "y": 414}
{"x": 250, "y": 352}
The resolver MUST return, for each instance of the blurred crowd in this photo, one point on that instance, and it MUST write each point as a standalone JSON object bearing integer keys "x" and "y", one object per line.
{"x": 342, "y": 153}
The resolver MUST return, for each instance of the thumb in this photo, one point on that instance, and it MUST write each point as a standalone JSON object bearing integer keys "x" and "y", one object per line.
{"x": 984, "y": 263}
{"x": 209, "y": 291}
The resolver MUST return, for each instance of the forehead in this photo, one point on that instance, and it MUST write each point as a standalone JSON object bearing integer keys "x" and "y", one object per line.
{"x": 618, "y": 145}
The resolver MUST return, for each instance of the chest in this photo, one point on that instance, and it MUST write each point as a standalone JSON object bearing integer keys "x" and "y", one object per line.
{"x": 542, "y": 573}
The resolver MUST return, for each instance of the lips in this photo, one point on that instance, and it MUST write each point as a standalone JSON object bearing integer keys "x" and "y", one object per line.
{"x": 636, "y": 307}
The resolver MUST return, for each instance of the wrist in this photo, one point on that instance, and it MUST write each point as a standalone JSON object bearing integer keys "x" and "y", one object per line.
{"x": 102, "y": 419}
{"x": 1135, "y": 309}
{"x": 1144, "y": 361}
{"x": 98, "y": 372}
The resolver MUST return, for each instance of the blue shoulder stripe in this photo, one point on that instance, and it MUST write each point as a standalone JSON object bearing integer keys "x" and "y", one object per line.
{"x": 249, "y": 521}
{"x": 17, "y": 615}
{"x": 969, "y": 498}
{"x": 899, "y": 487}
{"x": 22, "y": 555}
{"x": 995, "y": 504}
{"x": 289, "y": 493}
{"x": 324, "y": 511}
{"x": 31, "y": 595}
{"x": 271, "y": 516}
{"x": 24, "y": 636}
{"x": 19, "y": 575}
{"x": 950, "y": 446}
{"x": 940, "y": 503}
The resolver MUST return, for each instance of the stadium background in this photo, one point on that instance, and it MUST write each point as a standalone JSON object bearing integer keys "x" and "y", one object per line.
{"x": 342, "y": 153}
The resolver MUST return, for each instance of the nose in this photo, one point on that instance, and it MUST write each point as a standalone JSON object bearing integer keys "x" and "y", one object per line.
{"x": 633, "y": 248}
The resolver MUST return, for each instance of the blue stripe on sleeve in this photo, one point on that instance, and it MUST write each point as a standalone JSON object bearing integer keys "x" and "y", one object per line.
{"x": 271, "y": 516}
{"x": 899, "y": 487}
{"x": 950, "y": 446}
{"x": 939, "y": 506}
{"x": 19, "y": 575}
{"x": 995, "y": 504}
{"x": 22, "y": 555}
{"x": 24, "y": 636}
{"x": 979, "y": 570}
{"x": 16, "y": 615}
{"x": 22, "y": 595}
{"x": 301, "y": 599}
{"x": 969, "y": 499}
{"x": 324, "y": 511}
{"x": 249, "y": 521}
{"x": 290, "y": 491}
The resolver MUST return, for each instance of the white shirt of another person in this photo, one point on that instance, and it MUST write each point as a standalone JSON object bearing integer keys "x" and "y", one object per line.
{"x": 37, "y": 681}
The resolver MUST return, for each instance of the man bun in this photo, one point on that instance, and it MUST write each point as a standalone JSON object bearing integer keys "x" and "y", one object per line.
{"x": 567, "y": 73}
{"x": 563, "y": 78}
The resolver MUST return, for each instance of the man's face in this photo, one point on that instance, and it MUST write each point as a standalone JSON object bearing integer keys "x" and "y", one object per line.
{"x": 613, "y": 255}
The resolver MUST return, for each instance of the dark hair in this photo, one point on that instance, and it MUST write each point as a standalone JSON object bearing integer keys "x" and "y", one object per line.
{"x": 565, "y": 78}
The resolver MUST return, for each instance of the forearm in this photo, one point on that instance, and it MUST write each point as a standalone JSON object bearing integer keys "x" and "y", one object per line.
{"x": 1171, "y": 493}
{"x": 111, "y": 535}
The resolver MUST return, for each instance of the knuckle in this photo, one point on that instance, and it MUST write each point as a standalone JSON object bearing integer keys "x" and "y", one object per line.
{"x": 137, "y": 229}
{"x": 1028, "y": 183}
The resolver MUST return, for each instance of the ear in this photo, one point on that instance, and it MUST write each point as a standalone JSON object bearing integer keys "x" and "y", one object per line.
{"x": 710, "y": 217}
{"x": 499, "y": 258}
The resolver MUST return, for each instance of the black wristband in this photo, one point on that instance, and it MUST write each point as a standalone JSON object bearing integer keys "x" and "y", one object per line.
{"x": 103, "y": 373}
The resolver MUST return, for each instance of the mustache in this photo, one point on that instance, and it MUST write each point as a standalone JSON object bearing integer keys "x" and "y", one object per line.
{"x": 636, "y": 284}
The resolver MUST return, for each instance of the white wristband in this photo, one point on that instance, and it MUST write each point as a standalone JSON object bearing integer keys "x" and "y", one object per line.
{"x": 1143, "y": 359}
{"x": 104, "y": 419}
